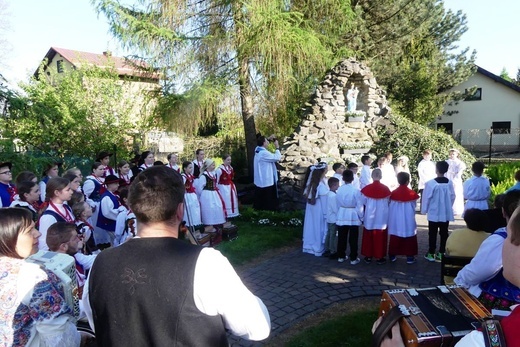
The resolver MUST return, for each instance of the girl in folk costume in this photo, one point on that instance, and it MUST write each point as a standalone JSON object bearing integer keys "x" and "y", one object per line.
{"x": 55, "y": 207}
{"x": 82, "y": 211}
{"x": 28, "y": 197}
{"x": 228, "y": 191}
{"x": 50, "y": 171}
{"x": 198, "y": 162}
{"x": 7, "y": 190}
{"x": 26, "y": 176}
{"x": 172, "y": 162}
{"x": 191, "y": 201}
{"x": 315, "y": 222}
{"x": 401, "y": 220}
{"x": 121, "y": 217}
{"x": 455, "y": 170}
{"x": 75, "y": 181}
{"x": 124, "y": 173}
{"x": 146, "y": 161}
{"x": 212, "y": 208}
{"x": 109, "y": 208}
{"x": 22, "y": 177}
{"x": 74, "y": 171}
{"x": 104, "y": 158}
{"x": 94, "y": 183}
{"x": 123, "y": 230}
{"x": 374, "y": 242}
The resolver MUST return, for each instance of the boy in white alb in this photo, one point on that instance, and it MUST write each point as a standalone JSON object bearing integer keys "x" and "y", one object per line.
{"x": 331, "y": 239}
{"x": 402, "y": 227}
{"x": 477, "y": 189}
{"x": 365, "y": 178}
{"x": 338, "y": 169}
{"x": 454, "y": 174}
{"x": 354, "y": 168}
{"x": 437, "y": 202}
{"x": 426, "y": 169}
{"x": 375, "y": 198}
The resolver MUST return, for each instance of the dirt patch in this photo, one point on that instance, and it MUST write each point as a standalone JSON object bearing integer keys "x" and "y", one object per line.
{"x": 333, "y": 311}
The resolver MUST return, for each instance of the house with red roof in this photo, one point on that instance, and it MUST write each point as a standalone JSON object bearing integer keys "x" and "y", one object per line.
{"x": 137, "y": 77}
{"x": 60, "y": 60}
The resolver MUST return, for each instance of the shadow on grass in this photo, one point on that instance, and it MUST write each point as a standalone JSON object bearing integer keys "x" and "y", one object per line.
{"x": 342, "y": 324}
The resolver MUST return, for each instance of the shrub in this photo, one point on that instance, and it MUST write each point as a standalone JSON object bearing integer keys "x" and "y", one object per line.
{"x": 502, "y": 172}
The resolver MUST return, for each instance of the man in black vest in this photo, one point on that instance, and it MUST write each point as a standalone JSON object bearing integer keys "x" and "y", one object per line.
{"x": 156, "y": 290}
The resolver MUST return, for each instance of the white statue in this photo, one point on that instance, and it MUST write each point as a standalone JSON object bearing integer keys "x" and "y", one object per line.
{"x": 352, "y": 98}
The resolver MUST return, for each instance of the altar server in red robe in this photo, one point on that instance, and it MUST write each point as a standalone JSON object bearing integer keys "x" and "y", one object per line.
{"x": 402, "y": 226}
{"x": 376, "y": 197}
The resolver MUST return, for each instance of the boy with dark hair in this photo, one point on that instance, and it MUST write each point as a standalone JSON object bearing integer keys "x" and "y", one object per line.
{"x": 331, "y": 239}
{"x": 354, "y": 168}
{"x": 174, "y": 288}
{"x": 338, "y": 169}
{"x": 349, "y": 218}
{"x": 476, "y": 189}
{"x": 365, "y": 178}
{"x": 437, "y": 202}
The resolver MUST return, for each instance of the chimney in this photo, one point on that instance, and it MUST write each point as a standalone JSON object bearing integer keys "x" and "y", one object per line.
{"x": 107, "y": 53}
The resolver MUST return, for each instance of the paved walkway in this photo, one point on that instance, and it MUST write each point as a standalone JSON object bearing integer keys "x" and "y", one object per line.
{"x": 295, "y": 284}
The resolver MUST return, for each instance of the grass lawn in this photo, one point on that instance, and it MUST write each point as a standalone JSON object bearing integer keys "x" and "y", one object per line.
{"x": 254, "y": 241}
{"x": 347, "y": 323}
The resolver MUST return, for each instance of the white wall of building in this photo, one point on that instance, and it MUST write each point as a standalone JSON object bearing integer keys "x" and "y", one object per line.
{"x": 499, "y": 103}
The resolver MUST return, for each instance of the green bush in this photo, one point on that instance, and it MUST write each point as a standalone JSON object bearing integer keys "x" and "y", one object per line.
{"x": 502, "y": 178}
{"x": 502, "y": 173}
{"x": 404, "y": 137}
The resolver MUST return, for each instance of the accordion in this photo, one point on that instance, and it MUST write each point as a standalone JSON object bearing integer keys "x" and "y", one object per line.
{"x": 64, "y": 267}
{"x": 438, "y": 316}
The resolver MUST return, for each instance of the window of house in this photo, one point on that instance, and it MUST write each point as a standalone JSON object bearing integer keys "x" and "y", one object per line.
{"x": 477, "y": 95}
{"x": 448, "y": 127}
{"x": 59, "y": 66}
{"x": 501, "y": 127}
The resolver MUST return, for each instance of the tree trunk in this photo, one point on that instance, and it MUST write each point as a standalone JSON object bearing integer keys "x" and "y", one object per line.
{"x": 248, "y": 118}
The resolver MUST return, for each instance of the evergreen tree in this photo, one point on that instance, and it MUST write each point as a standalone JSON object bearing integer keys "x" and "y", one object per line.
{"x": 259, "y": 52}
{"x": 505, "y": 75}
{"x": 411, "y": 47}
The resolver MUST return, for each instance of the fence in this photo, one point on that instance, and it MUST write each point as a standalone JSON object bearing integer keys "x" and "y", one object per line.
{"x": 489, "y": 140}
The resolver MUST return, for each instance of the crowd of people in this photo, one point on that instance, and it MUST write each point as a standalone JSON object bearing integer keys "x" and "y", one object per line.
{"x": 381, "y": 201}
{"x": 132, "y": 212}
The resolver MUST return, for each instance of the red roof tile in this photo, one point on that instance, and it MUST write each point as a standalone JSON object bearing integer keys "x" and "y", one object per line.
{"x": 124, "y": 66}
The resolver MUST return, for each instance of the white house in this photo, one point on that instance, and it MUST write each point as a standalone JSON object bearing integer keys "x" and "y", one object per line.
{"x": 492, "y": 112}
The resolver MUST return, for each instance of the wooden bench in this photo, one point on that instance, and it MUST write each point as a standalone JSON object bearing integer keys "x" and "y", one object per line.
{"x": 451, "y": 265}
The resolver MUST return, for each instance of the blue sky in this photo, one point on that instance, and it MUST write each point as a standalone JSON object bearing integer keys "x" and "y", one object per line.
{"x": 36, "y": 25}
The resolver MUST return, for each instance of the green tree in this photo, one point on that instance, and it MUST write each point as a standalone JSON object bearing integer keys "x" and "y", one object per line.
{"x": 81, "y": 113}
{"x": 261, "y": 53}
{"x": 505, "y": 75}
{"x": 412, "y": 48}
